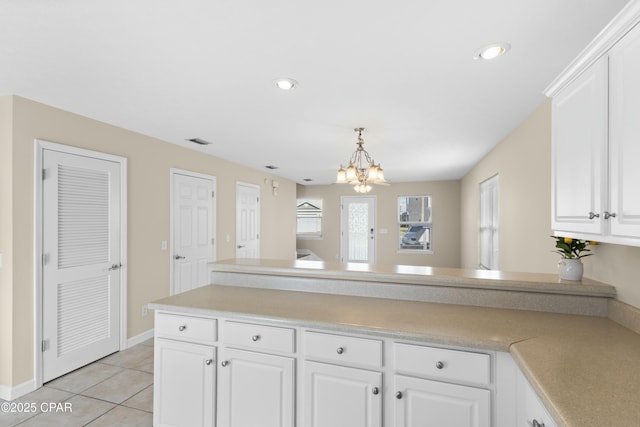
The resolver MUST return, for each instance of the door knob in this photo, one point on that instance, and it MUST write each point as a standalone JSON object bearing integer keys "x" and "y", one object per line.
{"x": 179, "y": 257}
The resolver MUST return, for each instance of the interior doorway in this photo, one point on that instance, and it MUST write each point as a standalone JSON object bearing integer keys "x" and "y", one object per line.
{"x": 247, "y": 220}
{"x": 80, "y": 258}
{"x": 193, "y": 203}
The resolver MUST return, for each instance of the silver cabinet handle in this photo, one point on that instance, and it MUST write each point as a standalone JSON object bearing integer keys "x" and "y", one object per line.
{"x": 208, "y": 362}
{"x": 179, "y": 257}
{"x": 593, "y": 215}
{"x": 439, "y": 364}
{"x": 399, "y": 395}
{"x": 375, "y": 390}
{"x": 181, "y": 328}
{"x": 115, "y": 267}
{"x": 255, "y": 338}
{"x": 535, "y": 423}
{"x": 608, "y": 215}
{"x": 340, "y": 350}
{"x": 240, "y": 246}
{"x": 224, "y": 363}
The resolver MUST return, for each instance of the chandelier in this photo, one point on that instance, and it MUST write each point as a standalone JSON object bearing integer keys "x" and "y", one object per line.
{"x": 362, "y": 170}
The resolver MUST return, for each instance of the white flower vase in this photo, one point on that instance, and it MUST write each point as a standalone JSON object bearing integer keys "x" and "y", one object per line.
{"x": 570, "y": 269}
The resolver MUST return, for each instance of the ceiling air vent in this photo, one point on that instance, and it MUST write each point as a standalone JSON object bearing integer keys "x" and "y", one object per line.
{"x": 199, "y": 141}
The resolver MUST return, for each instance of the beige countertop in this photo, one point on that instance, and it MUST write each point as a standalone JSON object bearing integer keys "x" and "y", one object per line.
{"x": 416, "y": 275}
{"x": 586, "y": 369}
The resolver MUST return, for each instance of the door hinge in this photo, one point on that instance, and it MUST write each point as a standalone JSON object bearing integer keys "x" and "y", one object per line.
{"x": 258, "y": 199}
{"x": 44, "y": 259}
{"x": 45, "y": 345}
{"x": 213, "y": 194}
{"x": 44, "y": 174}
{"x": 213, "y": 240}
{"x": 258, "y": 236}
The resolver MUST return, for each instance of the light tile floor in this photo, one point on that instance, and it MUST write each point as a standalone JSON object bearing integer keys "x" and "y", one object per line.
{"x": 114, "y": 391}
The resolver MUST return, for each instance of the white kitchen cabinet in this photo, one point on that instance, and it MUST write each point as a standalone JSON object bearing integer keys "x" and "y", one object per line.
{"x": 184, "y": 384}
{"x": 426, "y": 403}
{"x": 530, "y": 412}
{"x": 579, "y": 153}
{"x": 256, "y": 388}
{"x": 339, "y": 396}
{"x": 595, "y": 131}
{"x": 624, "y": 136}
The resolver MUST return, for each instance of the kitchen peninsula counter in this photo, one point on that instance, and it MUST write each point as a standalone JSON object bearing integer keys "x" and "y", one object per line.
{"x": 586, "y": 369}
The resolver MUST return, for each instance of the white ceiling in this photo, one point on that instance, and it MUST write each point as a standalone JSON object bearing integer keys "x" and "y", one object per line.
{"x": 178, "y": 69}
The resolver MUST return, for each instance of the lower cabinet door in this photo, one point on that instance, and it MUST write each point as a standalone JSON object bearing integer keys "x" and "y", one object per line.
{"x": 184, "y": 384}
{"x": 529, "y": 408}
{"x": 425, "y": 403}
{"x": 338, "y": 396}
{"x": 255, "y": 389}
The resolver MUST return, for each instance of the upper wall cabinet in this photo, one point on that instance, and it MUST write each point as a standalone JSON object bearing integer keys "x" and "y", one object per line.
{"x": 596, "y": 137}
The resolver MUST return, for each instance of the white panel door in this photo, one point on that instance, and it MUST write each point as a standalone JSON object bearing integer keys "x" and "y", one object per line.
{"x": 184, "y": 384}
{"x": 579, "y": 152}
{"x": 425, "y": 403}
{"x": 81, "y": 261}
{"x": 358, "y": 229}
{"x": 255, "y": 390}
{"x": 624, "y": 143}
{"x": 338, "y": 396}
{"x": 247, "y": 221}
{"x": 193, "y": 231}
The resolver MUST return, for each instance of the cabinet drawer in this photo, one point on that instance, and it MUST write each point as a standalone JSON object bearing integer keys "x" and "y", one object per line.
{"x": 453, "y": 365}
{"x": 187, "y": 328}
{"x": 342, "y": 349}
{"x": 259, "y": 337}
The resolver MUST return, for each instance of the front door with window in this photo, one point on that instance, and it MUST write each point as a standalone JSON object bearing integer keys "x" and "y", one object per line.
{"x": 358, "y": 229}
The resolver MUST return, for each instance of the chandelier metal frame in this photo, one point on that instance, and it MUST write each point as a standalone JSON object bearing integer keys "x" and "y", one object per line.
{"x": 362, "y": 169}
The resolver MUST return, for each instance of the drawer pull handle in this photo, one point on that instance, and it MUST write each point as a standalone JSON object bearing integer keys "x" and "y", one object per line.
{"x": 439, "y": 364}
{"x": 340, "y": 350}
{"x": 208, "y": 362}
{"x": 537, "y": 424}
{"x": 375, "y": 390}
{"x": 608, "y": 215}
{"x": 593, "y": 215}
{"x": 399, "y": 395}
{"x": 224, "y": 363}
{"x": 255, "y": 338}
{"x": 181, "y": 328}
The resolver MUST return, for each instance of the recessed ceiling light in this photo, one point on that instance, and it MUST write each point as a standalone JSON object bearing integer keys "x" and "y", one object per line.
{"x": 286, "y": 84}
{"x": 492, "y": 51}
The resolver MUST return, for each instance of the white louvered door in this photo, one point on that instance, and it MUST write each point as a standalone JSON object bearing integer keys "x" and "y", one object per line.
{"x": 81, "y": 261}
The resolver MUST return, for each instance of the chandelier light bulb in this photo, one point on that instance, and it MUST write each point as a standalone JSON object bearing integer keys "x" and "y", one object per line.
{"x": 342, "y": 176}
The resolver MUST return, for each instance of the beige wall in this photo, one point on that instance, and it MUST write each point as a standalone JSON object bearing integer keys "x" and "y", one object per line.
{"x": 149, "y": 161}
{"x": 446, "y": 222}
{"x": 523, "y": 162}
{"x": 6, "y": 241}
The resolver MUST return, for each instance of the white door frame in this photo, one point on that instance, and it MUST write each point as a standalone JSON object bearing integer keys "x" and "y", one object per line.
{"x": 40, "y": 147}
{"x": 259, "y": 218}
{"x": 375, "y": 221}
{"x": 172, "y": 172}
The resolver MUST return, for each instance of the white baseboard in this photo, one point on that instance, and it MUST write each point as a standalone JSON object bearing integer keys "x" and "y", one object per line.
{"x": 10, "y": 393}
{"x": 140, "y": 338}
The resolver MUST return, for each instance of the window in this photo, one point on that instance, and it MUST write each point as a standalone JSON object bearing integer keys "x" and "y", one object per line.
{"x": 488, "y": 233}
{"x": 309, "y": 218}
{"x": 414, "y": 223}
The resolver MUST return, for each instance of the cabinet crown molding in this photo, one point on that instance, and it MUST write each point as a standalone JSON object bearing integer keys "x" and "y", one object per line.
{"x": 620, "y": 25}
